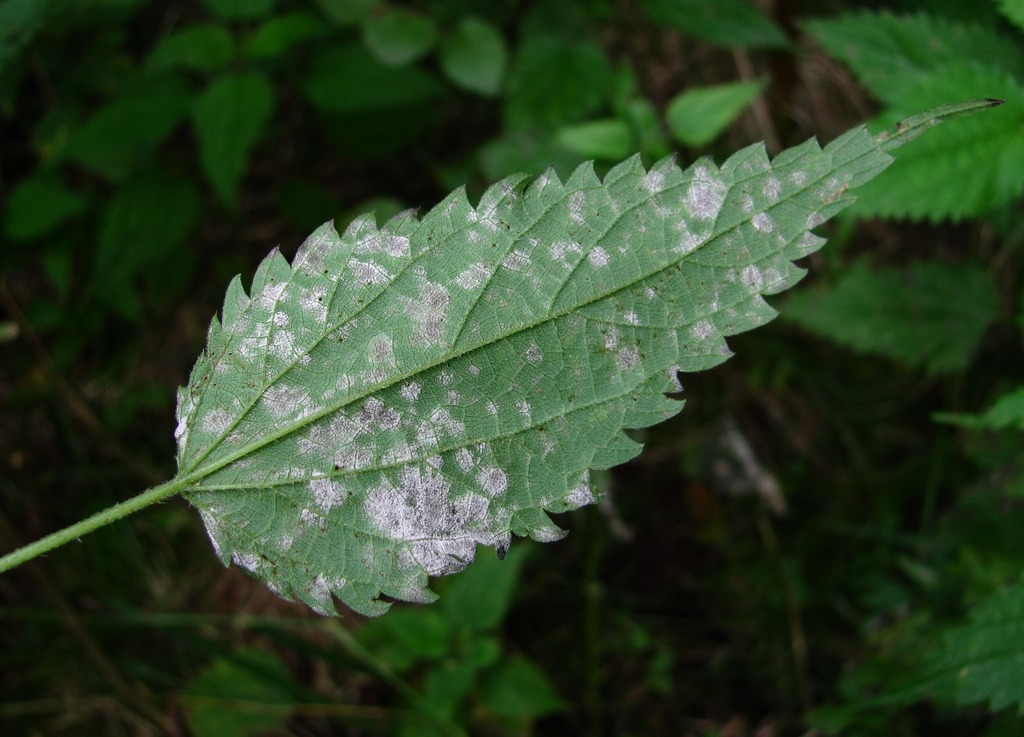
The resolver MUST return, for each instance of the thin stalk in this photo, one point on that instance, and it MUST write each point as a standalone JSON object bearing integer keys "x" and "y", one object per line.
{"x": 96, "y": 521}
{"x": 912, "y": 127}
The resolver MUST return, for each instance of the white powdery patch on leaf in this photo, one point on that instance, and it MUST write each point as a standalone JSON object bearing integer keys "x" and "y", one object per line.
{"x": 598, "y": 257}
{"x": 327, "y": 493}
{"x": 493, "y": 481}
{"x": 763, "y": 223}
{"x": 421, "y": 513}
{"x": 287, "y": 402}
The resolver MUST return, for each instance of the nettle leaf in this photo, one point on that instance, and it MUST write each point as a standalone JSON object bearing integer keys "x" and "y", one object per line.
{"x": 371, "y": 412}
{"x": 730, "y": 23}
{"x": 888, "y": 53}
{"x": 228, "y": 119}
{"x": 931, "y": 315}
{"x": 966, "y": 170}
{"x": 1013, "y": 10}
{"x": 979, "y": 662}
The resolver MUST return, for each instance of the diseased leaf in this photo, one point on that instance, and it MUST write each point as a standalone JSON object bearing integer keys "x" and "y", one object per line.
{"x": 396, "y": 396}
{"x": 929, "y": 316}
{"x": 229, "y": 118}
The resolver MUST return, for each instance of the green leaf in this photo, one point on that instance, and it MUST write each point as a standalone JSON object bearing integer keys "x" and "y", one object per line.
{"x": 697, "y": 116}
{"x": 474, "y": 57}
{"x": 146, "y": 223}
{"x": 1007, "y": 412}
{"x": 38, "y": 205}
{"x": 347, "y": 79}
{"x": 347, "y": 12}
{"x": 20, "y": 21}
{"x": 396, "y": 396}
{"x": 518, "y": 689}
{"x": 408, "y": 636}
{"x": 889, "y": 53}
{"x": 240, "y": 9}
{"x": 235, "y": 696}
{"x": 397, "y": 36}
{"x": 929, "y": 316}
{"x": 229, "y": 118}
{"x": 1012, "y": 10}
{"x": 553, "y": 82}
{"x": 605, "y": 140}
{"x": 961, "y": 171}
{"x": 525, "y": 151}
{"x": 201, "y": 48}
{"x": 128, "y": 128}
{"x": 730, "y": 23}
{"x": 479, "y": 598}
{"x": 278, "y": 35}
{"x": 982, "y": 661}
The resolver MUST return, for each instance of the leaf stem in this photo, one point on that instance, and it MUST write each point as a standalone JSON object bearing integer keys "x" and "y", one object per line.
{"x": 910, "y": 128}
{"x": 84, "y": 527}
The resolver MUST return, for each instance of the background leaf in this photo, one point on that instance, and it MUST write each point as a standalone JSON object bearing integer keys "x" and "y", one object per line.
{"x": 398, "y": 36}
{"x": 473, "y": 56}
{"x": 931, "y": 315}
{"x": 553, "y": 82}
{"x": 346, "y": 79}
{"x": 347, "y": 12}
{"x": 980, "y": 662}
{"x": 698, "y": 115}
{"x": 731, "y": 23}
{"x": 889, "y": 53}
{"x": 201, "y": 47}
{"x": 234, "y": 696}
{"x": 143, "y": 227}
{"x": 519, "y": 689}
{"x": 240, "y": 9}
{"x": 229, "y": 118}
{"x": 1013, "y": 10}
{"x": 605, "y": 140}
{"x": 282, "y": 33}
{"x": 39, "y": 205}
{"x": 128, "y": 128}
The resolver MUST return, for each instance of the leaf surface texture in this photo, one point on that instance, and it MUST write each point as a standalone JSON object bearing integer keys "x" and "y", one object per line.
{"x": 369, "y": 413}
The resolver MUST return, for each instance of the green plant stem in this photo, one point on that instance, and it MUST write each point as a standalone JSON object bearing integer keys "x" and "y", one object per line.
{"x": 100, "y": 519}
{"x": 910, "y": 128}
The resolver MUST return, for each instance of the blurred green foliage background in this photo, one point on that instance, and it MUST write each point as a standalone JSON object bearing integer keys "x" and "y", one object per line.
{"x": 827, "y": 541}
